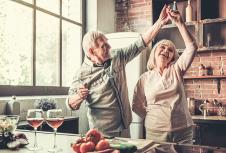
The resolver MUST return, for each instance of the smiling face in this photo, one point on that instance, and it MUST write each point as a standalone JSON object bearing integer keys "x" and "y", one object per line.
{"x": 100, "y": 53}
{"x": 164, "y": 54}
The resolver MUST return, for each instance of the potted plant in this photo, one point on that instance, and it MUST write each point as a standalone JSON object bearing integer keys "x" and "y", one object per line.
{"x": 45, "y": 104}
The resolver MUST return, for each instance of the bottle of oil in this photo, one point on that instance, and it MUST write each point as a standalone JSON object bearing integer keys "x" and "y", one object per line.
{"x": 188, "y": 11}
{"x": 13, "y": 107}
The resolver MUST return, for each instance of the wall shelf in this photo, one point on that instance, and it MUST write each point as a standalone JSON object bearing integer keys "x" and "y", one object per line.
{"x": 192, "y": 23}
{"x": 206, "y": 77}
{"x": 217, "y": 20}
{"x": 209, "y": 29}
{"x": 217, "y": 77}
{"x": 207, "y": 49}
{"x": 214, "y": 48}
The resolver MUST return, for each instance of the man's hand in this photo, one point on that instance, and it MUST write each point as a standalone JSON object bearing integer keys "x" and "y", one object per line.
{"x": 76, "y": 100}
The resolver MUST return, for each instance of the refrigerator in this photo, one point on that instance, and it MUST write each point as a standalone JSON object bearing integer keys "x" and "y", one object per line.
{"x": 133, "y": 71}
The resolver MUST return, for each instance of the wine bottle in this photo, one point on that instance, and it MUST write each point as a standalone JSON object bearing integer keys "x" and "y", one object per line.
{"x": 188, "y": 12}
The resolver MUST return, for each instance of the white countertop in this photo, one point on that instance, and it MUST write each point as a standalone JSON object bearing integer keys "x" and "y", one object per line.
{"x": 45, "y": 139}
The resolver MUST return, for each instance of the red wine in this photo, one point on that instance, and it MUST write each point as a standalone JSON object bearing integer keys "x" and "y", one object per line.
{"x": 54, "y": 122}
{"x": 35, "y": 122}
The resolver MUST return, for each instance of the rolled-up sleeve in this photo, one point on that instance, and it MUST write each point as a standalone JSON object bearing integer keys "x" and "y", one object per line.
{"x": 72, "y": 90}
{"x": 67, "y": 105}
{"x": 134, "y": 49}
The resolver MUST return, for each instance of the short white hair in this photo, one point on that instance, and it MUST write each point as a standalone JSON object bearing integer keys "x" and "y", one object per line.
{"x": 151, "y": 61}
{"x": 89, "y": 39}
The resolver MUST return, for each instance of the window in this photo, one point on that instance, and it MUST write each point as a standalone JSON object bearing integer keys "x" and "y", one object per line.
{"x": 40, "y": 45}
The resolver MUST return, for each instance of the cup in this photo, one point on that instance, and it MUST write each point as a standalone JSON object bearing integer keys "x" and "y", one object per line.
{"x": 203, "y": 108}
{"x": 35, "y": 118}
{"x": 191, "y": 105}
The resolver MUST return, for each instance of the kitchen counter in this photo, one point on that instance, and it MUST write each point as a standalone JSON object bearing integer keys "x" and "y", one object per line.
{"x": 45, "y": 139}
{"x": 176, "y": 148}
{"x": 209, "y": 119}
{"x": 63, "y": 140}
{"x": 210, "y": 130}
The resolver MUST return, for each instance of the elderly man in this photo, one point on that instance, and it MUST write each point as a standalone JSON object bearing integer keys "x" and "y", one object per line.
{"x": 101, "y": 80}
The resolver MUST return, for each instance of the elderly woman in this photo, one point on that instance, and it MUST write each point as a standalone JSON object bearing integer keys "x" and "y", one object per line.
{"x": 159, "y": 96}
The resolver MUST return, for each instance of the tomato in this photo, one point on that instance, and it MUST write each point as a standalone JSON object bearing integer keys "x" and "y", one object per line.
{"x": 93, "y": 135}
{"x": 102, "y": 145}
{"x": 81, "y": 140}
{"x": 76, "y": 147}
{"x": 87, "y": 147}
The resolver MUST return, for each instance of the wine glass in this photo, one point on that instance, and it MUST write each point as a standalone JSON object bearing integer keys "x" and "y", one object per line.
{"x": 55, "y": 119}
{"x": 35, "y": 118}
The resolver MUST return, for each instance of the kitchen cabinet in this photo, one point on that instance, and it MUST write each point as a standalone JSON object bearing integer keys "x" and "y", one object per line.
{"x": 208, "y": 27}
{"x": 210, "y": 131}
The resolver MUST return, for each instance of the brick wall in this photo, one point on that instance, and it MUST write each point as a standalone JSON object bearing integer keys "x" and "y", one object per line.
{"x": 136, "y": 15}
{"x": 133, "y": 15}
{"x": 207, "y": 88}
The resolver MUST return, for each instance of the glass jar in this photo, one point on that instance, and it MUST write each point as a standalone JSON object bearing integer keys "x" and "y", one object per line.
{"x": 202, "y": 70}
{"x": 191, "y": 105}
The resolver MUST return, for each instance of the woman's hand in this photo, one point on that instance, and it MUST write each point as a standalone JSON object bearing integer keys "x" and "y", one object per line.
{"x": 163, "y": 17}
{"x": 175, "y": 17}
{"x": 150, "y": 34}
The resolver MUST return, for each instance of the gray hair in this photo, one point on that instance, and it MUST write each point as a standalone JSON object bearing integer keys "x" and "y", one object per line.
{"x": 89, "y": 40}
{"x": 151, "y": 61}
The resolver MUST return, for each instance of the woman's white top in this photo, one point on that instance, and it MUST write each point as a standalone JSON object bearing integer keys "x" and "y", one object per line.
{"x": 161, "y": 99}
